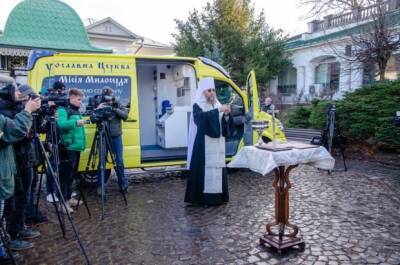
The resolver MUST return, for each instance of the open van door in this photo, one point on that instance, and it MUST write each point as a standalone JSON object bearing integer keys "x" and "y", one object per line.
{"x": 252, "y": 93}
{"x": 254, "y": 107}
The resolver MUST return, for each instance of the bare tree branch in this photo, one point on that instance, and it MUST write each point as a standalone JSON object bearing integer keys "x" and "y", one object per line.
{"x": 374, "y": 38}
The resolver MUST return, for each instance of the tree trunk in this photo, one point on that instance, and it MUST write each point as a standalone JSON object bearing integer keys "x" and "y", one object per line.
{"x": 381, "y": 75}
{"x": 382, "y": 68}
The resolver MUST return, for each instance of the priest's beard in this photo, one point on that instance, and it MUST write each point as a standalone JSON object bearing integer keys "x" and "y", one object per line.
{"x": 211, "y": 100}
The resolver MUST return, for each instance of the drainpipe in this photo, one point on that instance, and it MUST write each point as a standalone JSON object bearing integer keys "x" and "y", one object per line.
{"x": 140, "y": 47}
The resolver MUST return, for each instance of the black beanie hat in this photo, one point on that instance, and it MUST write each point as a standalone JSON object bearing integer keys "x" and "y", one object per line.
{"x": 58, "y": 85}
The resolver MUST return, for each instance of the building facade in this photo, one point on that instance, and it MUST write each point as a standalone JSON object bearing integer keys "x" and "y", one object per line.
{"x": 109, "y": 34}
{"x": 320, "y": 64}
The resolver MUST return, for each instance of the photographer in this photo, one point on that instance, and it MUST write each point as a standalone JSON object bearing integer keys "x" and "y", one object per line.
{"x": 73, "y": 141}
{"x": 11, "y": 103}
{"x": 11, "y": 131}
{"x": 115, "y": 130}
{"x": 58, "y": 91}
{"x": 51, "y": 99}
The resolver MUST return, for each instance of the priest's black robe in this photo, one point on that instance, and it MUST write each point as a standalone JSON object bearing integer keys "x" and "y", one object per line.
{"x": 208, "y": 123}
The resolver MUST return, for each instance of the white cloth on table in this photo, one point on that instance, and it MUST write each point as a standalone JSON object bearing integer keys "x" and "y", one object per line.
{"x": 264, "y": 161}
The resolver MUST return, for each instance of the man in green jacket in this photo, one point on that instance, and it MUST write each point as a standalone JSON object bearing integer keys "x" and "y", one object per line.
{"x": 73, "y": 141}
{"x": 12, "y": 131}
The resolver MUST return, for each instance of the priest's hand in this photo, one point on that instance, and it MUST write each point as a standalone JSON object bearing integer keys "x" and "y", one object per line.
{"x": 225, "y": 109}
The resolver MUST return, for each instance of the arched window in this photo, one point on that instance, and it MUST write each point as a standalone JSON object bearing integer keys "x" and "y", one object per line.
{"x": 328, "y": 75}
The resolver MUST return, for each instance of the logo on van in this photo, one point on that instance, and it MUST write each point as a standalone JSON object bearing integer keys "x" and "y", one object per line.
{"x": 105, "y": 67}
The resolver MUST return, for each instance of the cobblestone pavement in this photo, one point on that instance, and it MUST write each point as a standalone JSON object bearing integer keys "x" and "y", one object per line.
{"x": 345, "y": 218}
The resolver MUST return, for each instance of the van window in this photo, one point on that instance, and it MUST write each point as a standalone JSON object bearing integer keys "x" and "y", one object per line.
{"x": 227, "y": 95}
{"x": 92, "y": 85}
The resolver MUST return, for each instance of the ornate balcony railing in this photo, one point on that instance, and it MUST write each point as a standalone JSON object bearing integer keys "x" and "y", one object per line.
{"x": 357, "y": 15}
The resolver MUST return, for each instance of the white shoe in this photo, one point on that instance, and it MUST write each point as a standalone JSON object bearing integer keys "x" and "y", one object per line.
{"x": 73, "y": 202}
{"x": 49, "y": 198}
{"x": 74, "y": 194}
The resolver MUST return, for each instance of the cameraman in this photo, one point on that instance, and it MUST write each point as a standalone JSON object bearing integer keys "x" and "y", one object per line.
{"x": 73, "y": 141}
{"x": 11, "y": 131}
{"x": 49, "y": 109}
{"x": 115, "y": 131}
{"x": 12, "y": 101}
{"x": 57, "y": 90}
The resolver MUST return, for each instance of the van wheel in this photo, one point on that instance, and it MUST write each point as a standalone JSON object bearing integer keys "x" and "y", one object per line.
{"x": 89, "y": 178}
{"x": 266, "y": 139}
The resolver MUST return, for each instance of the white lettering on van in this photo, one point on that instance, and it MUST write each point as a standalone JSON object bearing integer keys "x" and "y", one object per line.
{"x": 117, "y": 81}
{"x": 71, "y": 79}
{"x": 49, "y": 66}
{"x": 110, "y": 67}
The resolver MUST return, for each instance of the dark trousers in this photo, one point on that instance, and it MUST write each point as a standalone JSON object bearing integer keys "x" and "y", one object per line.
{"x": 30, "y": 207}
{"x": 69, "y": 161}
{"x": 116, "y": 145}
{"x": 15, "y": 206}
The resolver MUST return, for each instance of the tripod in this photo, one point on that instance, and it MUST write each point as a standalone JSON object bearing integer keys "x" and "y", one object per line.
{"x": 100, "y": 148}
{"x": 331, "y": 138}
{"x": 55, "y": 162}
{"x": 53, "y": 174}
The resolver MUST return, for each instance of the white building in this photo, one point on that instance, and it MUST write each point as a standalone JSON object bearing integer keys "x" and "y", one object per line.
{"x": 319, "y": 68}
{"x": 109, "y": 34}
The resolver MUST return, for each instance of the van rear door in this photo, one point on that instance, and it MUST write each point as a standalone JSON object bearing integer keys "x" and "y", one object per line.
{"x": 252, "y": 93}
{"x": 254, "y": 108}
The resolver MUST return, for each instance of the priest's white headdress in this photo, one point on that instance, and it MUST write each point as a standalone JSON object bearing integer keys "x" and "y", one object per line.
{"x": 204, "y": 84}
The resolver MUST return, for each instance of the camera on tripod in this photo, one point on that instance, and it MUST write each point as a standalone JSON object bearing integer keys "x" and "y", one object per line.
{"x": 105, "y": 113}
{"x": 58, "y": 97}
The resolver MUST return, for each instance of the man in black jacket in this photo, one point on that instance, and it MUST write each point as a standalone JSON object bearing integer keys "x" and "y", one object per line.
{"x": 25, "y": 152}
{"x": 115, "y": 130}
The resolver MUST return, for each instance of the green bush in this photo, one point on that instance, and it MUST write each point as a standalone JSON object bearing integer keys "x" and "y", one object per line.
{"x": 317, "y": 119}
{"x": 366, "y": 115}
{"x": 298, "y": 117}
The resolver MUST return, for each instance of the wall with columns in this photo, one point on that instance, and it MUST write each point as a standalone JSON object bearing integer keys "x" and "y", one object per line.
{"x": 306, "y": 59}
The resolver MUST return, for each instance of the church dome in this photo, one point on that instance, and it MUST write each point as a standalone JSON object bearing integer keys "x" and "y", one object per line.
{"x": 46, "y": 24}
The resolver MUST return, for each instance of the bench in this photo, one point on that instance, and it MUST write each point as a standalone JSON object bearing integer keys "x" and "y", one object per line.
{"x": 303, "y": 135}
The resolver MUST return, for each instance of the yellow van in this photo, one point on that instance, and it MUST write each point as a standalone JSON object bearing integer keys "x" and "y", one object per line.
{"x": 158, "y": 92}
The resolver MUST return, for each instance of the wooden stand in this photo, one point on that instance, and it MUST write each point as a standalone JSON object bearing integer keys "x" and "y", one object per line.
{"x": 282, "y": 240}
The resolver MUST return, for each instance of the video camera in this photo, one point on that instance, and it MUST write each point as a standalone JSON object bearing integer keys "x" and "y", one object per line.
{"x": 58, "y": 97}
{"x": 105, "y": 113}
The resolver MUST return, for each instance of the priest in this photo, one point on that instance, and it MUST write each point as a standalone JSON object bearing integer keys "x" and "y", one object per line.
{"x": 210, "y": 123}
